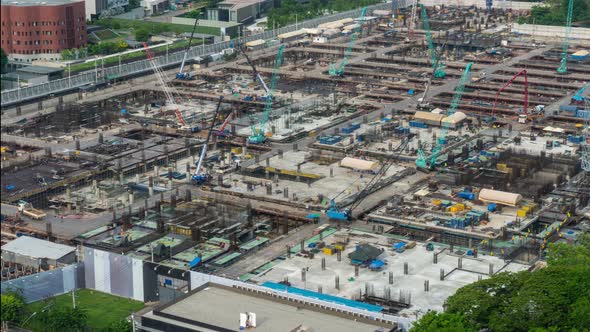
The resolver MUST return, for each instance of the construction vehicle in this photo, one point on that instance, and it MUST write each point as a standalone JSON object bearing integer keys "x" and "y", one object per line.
{"x": 335, "y": 213}
{"x": 578, "y": 99}
{"x": 221, "y": 131}
{"x": 525, "y": 116}
{"x": 257, "y": 75}
{"x": 340, "y": 71}
{"x": 169, "y": 93}
{"x": 436, "y": 64}
{"x": 28, "y": 210}
{"x": 259, "y": 132}
{"x": 201, "y": 178}
{"x": 562, "y": 69}
{"x": 422, "y": 103}
{"x": 181, "y": 75}
{"x": 422, "y": 162}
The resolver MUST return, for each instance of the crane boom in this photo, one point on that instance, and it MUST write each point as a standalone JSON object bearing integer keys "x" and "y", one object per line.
{"x": 340, "y": 71}
{"x": 200, "y": 178}
{"x": 180, "y": 74}
{"x": 257, "y": 75}
{"x": 526, "y": 92}
{"x": 578, "y": 98}
{"x": 437, "y": 65}
{"x": 421, "y": 162}
{"x": 259, "y": 129}
{"x": 335, "y": 213}
{"x": 412, "y": 19}
{"x": 562, "y": 69}
{"x": 168, "y": 93}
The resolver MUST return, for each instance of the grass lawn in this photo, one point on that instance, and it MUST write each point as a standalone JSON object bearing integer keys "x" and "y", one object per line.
{"x": 102, "y": 308}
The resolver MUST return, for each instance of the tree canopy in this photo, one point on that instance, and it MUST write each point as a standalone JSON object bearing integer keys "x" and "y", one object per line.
{"x": 142, "y": 34}
{"x": 13, "y": 306}
{"x": 555, "y": 298}
{"x": 554, "y": 12}
{"x": 3, "y": 59}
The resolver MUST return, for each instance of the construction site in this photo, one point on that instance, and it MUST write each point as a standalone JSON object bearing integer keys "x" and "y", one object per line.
{"x": 388, "y": 158}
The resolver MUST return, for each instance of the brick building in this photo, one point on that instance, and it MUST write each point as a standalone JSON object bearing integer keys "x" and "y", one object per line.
{"x": 40, "y": 30}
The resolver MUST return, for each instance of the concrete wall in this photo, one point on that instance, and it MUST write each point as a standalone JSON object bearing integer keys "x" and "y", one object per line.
{"x": 47, "y": 284}
{"x": 550, "y": 31}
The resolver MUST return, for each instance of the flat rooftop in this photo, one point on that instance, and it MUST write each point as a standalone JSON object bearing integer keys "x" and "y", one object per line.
{"x": 25, "y": 3}
{"x": 220, "y": 307}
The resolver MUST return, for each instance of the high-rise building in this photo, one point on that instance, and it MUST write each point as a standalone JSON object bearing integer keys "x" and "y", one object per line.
{"x": 40, "y": 30}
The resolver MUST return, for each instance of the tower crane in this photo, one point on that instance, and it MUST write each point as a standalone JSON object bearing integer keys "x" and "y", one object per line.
{"x": 525, "y": 110}
{"x": 180, "y": 75}
{"x": 336, "y": 213}
{"x": 199, "y": 178}
{"x": 562, "y": 69}
{"x": 259, "y": 129}
{"x": 340, "y": 71}
{"x": 422, "y": 103}
{"x": 436, "y": 65}
{"x": 168, "y": 92}
{"x": 421, "y": 162}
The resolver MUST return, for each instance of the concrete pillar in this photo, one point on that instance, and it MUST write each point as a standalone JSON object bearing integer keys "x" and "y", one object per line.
{"x": 356, "y": 270}
{"x": 331, "y": 172}
{"x": 121, "y": 178}
{"x": 320, "y": 289}
{"x": 131, "y": 197}
{"x": 188, "y": 196}
{"x": 337, "y": 282}
{"x": 302, "y": 244}
{"x": 173, "y": 200}
{"x": 442, "y": 274}
{"x": 460, "y": 262}
{"x": 288, "y": 252}
{"x": 267, "y": 162}
{"x": 100, "y": 138}
{"x": 157, "y": 173}
{"x": 286, "y": 192}
{"x": 280, "y": 154}
{"x": 269, "y": 189}
{"x": 78, "y": 144}
{"x": 18, "y": 111}
{"x": 491, "y": 272}
{"x": 323, "y": 263}
{"x": 303, "y": 274}
{"x": 295, "y": 147}
{"x": 426, "y": 285}
{"x": 338, "y": 255}
{"x": 434, "y": 258}
{"x": 406, "y": 268}
{"x": 391, "y": 278}
{"x": 150, "y": 186}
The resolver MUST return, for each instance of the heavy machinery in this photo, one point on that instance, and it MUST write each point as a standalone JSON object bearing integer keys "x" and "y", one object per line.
{"x": 257, "y": 75}
{"x": 422, "y": 103}
{"x": 436, "y": 64}
{"x": 578, "y": 99}
{"x": 562, "y": 69}
{"x": 168, "y": 92}
{"x": 181, "y": 75}
{"x": 340, "y": 71}
{"x": 200, "y": 178}
{"x": 336, "y": 213}
{"x": 525, "y": 110}
{"x": 421, "y": 162}
{"x": 28, "y": 210}
{"x": 221, "y": 131}
{"x": 259, "y": 131}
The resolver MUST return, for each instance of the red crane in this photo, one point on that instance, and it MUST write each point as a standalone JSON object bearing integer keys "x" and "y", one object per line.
{"x": 526, "y": 92}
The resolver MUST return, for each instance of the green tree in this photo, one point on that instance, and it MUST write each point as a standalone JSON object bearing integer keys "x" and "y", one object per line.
{"x": 63, "y": 319}
{"x": 117, "y": 25}
{"x": 142, "y": 34}
{"x": 3, "y": 59}
{"x": 442, "y": 322}
{"x": 13, "y": 306}
{"x": 120, "y": 326}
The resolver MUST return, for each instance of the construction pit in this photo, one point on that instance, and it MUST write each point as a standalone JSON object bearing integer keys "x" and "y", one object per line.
{"x": 113, "y": 169}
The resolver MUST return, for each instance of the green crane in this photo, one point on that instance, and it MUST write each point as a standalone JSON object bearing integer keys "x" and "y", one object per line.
{"x": 436, "y": 65}
{"x": 340, "y": 71}
{"x": 259, "y": 129}
{"x": 441, "y": 141}
{"x": 566, "y": 41}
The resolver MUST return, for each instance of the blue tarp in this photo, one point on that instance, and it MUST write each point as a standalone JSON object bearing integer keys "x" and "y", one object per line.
{"x": 194, "y": 262}
{"x": 399, "y": 245}
{"x": 323, "y": 297}
{"x": 376, "y": 264}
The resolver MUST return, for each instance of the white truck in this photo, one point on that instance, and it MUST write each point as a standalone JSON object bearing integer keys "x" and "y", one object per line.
{"x": 28, "y": 210}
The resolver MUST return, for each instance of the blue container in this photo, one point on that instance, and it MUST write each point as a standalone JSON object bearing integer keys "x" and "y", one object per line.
{"x": 418, "y": 124}
{"x": 467, "y": 195}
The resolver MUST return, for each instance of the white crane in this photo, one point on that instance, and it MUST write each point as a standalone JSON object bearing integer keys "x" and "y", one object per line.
{"x": 169, "y": 93}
